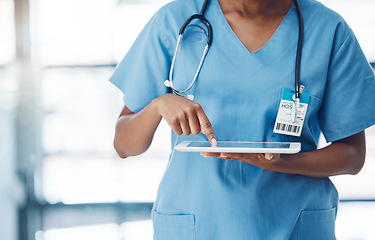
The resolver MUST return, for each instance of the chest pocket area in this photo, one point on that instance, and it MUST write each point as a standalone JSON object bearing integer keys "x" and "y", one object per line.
{"x": 171, "y": 226}
{"x": 317, "y": 225}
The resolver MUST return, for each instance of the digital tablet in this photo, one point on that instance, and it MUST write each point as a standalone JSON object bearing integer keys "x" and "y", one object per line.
{"x": 240, "y": 147}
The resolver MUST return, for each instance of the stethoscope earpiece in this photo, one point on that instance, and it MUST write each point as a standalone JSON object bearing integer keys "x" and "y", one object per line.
{"x": 190, "y": 97}
{"x": 167, "y": 83}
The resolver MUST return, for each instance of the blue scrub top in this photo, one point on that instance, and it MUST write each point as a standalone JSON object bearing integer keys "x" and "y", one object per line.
{"x": 211, "y": 198}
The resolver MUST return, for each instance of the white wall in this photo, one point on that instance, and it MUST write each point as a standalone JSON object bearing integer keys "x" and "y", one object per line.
{"x": 8, "y": 205}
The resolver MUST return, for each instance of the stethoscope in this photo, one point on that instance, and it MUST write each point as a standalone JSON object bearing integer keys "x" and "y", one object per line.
{"x": 200, "y": 16}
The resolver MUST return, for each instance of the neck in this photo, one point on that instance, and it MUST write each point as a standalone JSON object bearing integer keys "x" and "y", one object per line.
{"x": 255, "y": 8}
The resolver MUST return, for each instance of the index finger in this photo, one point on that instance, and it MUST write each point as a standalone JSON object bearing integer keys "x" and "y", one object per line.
{"x": 206, "y": 127}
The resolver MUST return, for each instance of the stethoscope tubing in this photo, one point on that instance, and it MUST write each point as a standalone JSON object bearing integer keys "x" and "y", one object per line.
{"x": 196, "y": 73}
{"x": 299, "y": 50}
{"x": 204, "y": 20}
{"x": 201, "y": 17}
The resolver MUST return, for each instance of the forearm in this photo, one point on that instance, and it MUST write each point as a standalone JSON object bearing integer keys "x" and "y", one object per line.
{"x": 336, "y": 159}
{"x": 346, "y": 156}
{"x": 134, "y": 131}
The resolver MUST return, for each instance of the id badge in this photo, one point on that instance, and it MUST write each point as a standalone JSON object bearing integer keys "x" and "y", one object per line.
{"x": 289, "y": 121}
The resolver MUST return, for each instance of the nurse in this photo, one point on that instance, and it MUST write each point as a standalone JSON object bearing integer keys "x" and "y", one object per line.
{"x": 249, "y": 69}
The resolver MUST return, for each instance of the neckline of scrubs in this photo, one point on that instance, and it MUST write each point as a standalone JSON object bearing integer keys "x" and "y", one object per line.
{"x": 272, "y": 46}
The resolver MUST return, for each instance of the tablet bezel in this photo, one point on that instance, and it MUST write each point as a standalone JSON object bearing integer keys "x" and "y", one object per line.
{"x": 294, "y": 147}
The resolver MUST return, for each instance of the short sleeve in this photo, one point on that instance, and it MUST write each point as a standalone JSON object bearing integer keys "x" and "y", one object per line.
{"x": 141, "y": 74}
{"x": 348, "y": 105}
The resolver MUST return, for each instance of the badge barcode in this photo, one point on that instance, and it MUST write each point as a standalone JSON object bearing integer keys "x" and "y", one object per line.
{"x": 287, "y": 127}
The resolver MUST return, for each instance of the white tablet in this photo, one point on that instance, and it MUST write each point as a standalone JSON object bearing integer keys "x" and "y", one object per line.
{"x": 240, "y": 147}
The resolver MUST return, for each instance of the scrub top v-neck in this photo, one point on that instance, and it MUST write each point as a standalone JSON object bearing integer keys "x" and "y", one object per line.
{"x": 229, "y": 33}
{"x": 211, "y": 198}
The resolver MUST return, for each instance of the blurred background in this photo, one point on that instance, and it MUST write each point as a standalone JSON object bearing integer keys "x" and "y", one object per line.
{"x": 59, "y": 175}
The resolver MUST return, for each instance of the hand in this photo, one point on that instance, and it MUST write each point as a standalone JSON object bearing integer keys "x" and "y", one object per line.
{"x": 184, "y": 116}
{"x": 345, "y": 156}
{"x": 265, "y": 161}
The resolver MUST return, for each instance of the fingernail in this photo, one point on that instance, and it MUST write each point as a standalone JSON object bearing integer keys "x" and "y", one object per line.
{"x": 213, "y": 142}
{"x": 268, "y": 156}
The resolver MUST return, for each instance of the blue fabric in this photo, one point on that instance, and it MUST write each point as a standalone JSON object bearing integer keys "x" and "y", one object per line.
{"x": 210, "y": 198}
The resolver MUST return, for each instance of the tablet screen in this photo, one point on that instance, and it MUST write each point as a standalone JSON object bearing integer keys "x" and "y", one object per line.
{"x": 223, "y": 144}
